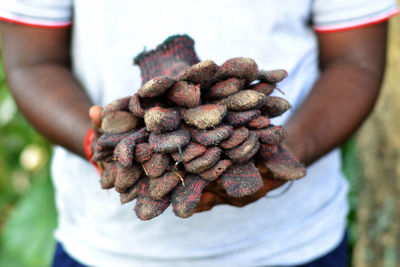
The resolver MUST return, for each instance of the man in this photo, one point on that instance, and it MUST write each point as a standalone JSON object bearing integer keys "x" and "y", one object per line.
{"x": 334, "y": 52}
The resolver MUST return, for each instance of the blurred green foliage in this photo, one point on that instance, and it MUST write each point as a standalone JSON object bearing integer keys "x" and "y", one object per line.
{"x": 27, "y": 210}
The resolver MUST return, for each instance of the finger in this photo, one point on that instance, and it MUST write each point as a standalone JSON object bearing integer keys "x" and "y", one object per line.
{"x": 95, "y": 115}
{"x": 206, "y": 202}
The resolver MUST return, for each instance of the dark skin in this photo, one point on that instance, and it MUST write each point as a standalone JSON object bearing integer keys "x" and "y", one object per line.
{"x": 352, "y": 65}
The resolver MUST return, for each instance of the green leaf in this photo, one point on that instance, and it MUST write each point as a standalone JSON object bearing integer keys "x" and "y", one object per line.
{"x": 27, "y": 238}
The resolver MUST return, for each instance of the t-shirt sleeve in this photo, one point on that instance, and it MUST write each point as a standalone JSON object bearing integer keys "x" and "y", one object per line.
{"x": 337, "y": 15}
{"x": 37, "y": 13}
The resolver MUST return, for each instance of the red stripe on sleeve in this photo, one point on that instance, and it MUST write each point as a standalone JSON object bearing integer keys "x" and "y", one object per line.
{"x": 38, "y": 25}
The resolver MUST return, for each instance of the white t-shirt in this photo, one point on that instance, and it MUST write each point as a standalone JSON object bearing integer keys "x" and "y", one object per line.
{"x": 294, "y": 227}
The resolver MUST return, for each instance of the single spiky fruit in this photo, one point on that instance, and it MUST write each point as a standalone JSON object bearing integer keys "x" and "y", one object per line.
{"x": 237, "y": 137}
{"x": 205, "y": 161}
{"x": 264, "y": 88}
{"x": 186, "y": 197}
{"x": 200, "y": 72}
{"x": 225, "y": 88}
{"x": 185, "y": 94}
{"x": 159, "y": 120}
{"x": 242, "y": 180}
{"x": 272, "y": 135}
{"x": 275, "y": 106}
{"x": 205, "y": 116}
{"x": 189, "y": 152}
{"x": 212, "y": 137}
{"x": 239, "y": 67}
{"x": 215, "y": 171}
{"x": 124, "y": 151}
{"x": 116, "y": 105}
{"x": 127, "y": 177}
{"x": 143, "y": 152}
{"x": 244, "y": 151}
{"x": 130, "y": 194}
{"x": 104, "y": 155}
{"x": 241, "y": 118}
{"x": 266, "y": 151}
{"x": 146, "y": 207}
{"x": 169, "y": 142}
{"x": 109, "y": 141}
{"x": 156, "y": 86}
{"x": 156, "y": 166}
{"x": 164, "y": 184}
{"x": 135, "y": 106}
{"x": 285, "y": 166}
{"x": 259, "y": 122}
{"x": 118, "y": 122}
{"x": 243, "y": 100}
{"x": 138, "y": 106}
{"x": 109, "y": 175}
{"x": 272, "y": 76}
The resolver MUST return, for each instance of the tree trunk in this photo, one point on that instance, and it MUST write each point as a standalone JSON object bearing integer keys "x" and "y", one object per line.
{"x": 378, "y": 141}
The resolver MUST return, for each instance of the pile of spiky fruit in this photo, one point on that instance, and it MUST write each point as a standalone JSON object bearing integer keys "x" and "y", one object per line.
{"x": 165, "y": 143}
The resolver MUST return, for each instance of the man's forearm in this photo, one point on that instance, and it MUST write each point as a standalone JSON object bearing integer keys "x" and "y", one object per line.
{"x": 36, "y": 63}
{"x": 342, "y": 97}
{"x": 53, "y": 101}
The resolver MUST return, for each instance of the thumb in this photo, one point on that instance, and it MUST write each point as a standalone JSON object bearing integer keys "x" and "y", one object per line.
{"x": 95, "y": 115}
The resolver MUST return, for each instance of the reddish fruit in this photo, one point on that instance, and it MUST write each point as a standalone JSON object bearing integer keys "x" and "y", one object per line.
{"x": 186, "y": 197}
{"x": 237, "y": 137}
{"x": 242, "y": 180}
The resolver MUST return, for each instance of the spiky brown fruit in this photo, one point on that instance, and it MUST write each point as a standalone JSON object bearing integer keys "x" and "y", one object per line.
{"x": 262, "y": 87}
{"x": 109, "y": 141}
{"x": 169, "y": 142}
{"x": 239, "y": 67}
{"x": 285, "y": 166}
{"x": 120, "y": 104}
{"x": 124, "y": 151}
{"x": 244, "y": 151}
{"x": 242, "y": 180}
{"x": 215, "y": 171}
{"x": 212, "y": 137}
{"x": 118, "y": 122}
{"x": 205, "y": 116}
{"x": 186, "y": 197}
{"x": 266, "y": 151}
{"x": 109, "y": 175}
{"x": 156, "y": 166}
{"x": 143, "y": 152}
{"x": 275, "y": 106}
{"x": 259, "y": 122}
{"x": 241, "y": 118}
{"x": 272, "y": 135}
{"x": 164, "y": 184}
{"x": 237, "y": 137}
{"x": 130, "y": 194}
{"x": 146, "y": 207}
{"x": 127, "y": 177}
{"x": 272, "y": 76}
{"x": 205, "y": 161}
{"x": 159, "y": 120}
{"x": 185, "y": 94}
{"x": 225, "y": 88}
{"x": 156, "y": 86}
{"x": 189, "y": 152}
{"x": 200, "y": 72}
{"x": 243, "y": 100}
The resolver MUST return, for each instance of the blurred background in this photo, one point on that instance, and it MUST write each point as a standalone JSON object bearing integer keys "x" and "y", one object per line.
{"x": 371, "y": 163}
